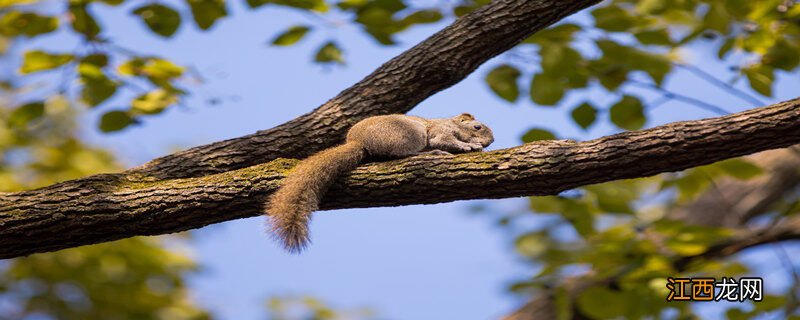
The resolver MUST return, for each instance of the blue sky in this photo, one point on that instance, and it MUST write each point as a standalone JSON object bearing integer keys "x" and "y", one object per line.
{"x": 413, "y": 262}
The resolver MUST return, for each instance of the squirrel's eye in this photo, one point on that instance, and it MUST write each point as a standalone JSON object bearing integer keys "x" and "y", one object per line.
{"x": 477, "y": 127}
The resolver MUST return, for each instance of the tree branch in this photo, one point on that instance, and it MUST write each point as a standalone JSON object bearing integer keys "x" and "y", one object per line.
{"x": 437, "y": 63}
{"x": 109, "y": 207}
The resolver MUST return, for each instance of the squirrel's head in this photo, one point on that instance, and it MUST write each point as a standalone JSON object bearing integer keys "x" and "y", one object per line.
{"x": 476, "y": 131}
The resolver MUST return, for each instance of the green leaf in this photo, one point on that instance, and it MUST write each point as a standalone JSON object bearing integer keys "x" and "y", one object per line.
{"x": 537, "y": 134}
{"x": 207, "y": 12}
{"x": 547, "y": 204}
{"x": 503, "y": 82}
{"x": 739, "y": 168}
{"x": 96, "y": 59}
{"x": 37, "y": 60}
{"x": 584, "y": 115}
{"x": 717, "y": 18}
{"x": 82, "y": 20}
{"x": 603, "y": 303}
{"x": 760, "y": 78}
{"x": 154, "y": 102}
{"x": 329, "y": 53}
{"x": 558, "y": 59}
{"x": 725, "y": 48}
{"x": 610, "y": 74}
{"x": 627, "y": 58}
{"x": 613, "y": 18}
{"x": 422, "y": 17}
{"x": 628, "y": 113}
{"x": 26, "y": 113}
{"x": 161, "y": 19}
{"x": 28, "y": 24}
{"x": 315, "y": 5}
{"x": 614, "y": 197}
{"x": 783, "y": 55}
{"x": 97, "y": 87}
{"x": 558, "y": 35}
{"x": 546, "y": 89}
{"x": 659, "y": 37}
{"x": 291, "y": 36}
{"x": 115, "y": 121}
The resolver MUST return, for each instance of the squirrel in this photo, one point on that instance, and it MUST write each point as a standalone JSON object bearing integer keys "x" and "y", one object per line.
{"x": 289, "y": 209}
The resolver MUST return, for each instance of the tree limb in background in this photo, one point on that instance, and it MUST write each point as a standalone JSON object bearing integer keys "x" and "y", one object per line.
{"x": 109, "y": 207}
{"x": 437, "y": 63}
{"x": 728, "y": 203}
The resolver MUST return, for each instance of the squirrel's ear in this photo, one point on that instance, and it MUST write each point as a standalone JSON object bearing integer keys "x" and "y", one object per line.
{"x": 465, "y": 117}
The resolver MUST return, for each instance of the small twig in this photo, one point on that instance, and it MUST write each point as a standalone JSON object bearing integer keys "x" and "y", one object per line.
{"x": 721, "y": 84}
{"x": 677, "y": 96}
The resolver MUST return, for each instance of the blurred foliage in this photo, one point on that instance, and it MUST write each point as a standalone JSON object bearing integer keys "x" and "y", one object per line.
{"x": 136, "y": 278}
{"x": 619, "y": 45}
{"x": 618, "y": 240}
{"x": 310, "y": 308}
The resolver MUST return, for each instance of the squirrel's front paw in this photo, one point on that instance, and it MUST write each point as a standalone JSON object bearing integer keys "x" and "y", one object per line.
{"x": 475, "y": 147}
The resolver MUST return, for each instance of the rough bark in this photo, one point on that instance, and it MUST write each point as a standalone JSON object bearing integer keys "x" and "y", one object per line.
{"x": 437, "y": 63}
{"x": 109, "y": 207}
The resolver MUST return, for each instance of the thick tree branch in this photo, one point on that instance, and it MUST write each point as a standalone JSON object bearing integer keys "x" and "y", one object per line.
{"x": 437, "y": 63}
{"x": 109, "y": 207}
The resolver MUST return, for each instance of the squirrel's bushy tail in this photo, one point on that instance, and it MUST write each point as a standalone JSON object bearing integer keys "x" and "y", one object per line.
{"x": 290, "y": 207}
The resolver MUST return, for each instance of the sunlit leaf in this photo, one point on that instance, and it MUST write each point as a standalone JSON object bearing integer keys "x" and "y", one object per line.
{"x": 37, "y": 60}
{"x": 162, "y": 69}
{"x": 154, "y": 102}
{"x": 329, "y": 53}
{"x": 29, "y": 24}
{"x": 291, "y": 36}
